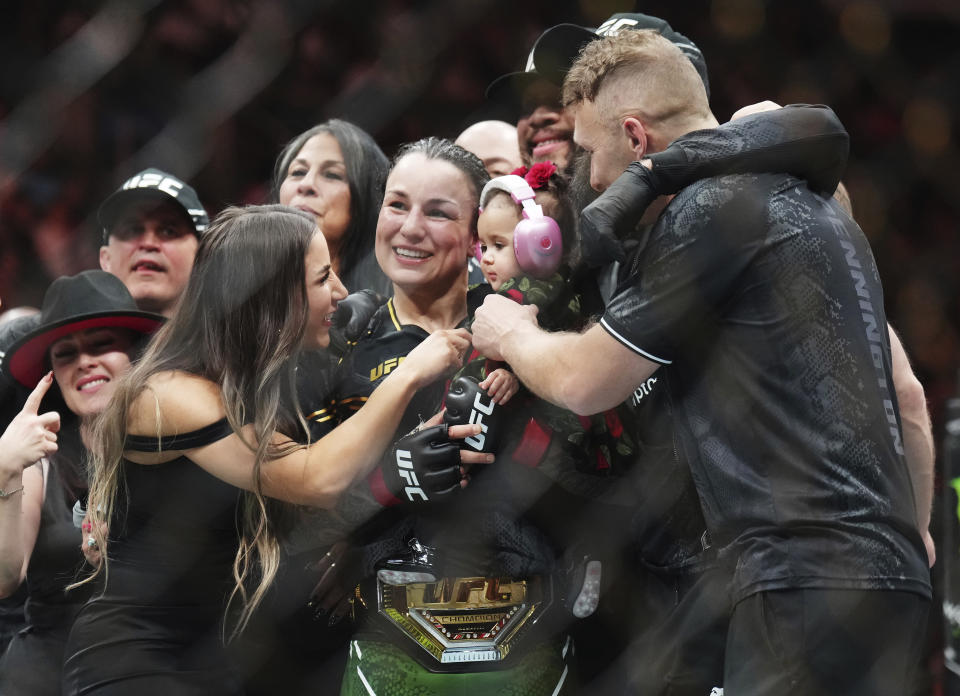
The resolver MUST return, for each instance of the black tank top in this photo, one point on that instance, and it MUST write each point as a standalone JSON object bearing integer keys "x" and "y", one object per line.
{"x": 174, "y": 533}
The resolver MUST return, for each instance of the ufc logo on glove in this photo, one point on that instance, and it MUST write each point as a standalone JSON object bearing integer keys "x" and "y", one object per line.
{"x": 405, "y": 469}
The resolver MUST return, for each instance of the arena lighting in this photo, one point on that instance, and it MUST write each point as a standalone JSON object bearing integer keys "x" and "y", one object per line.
{"x": 211, "y": 97}
{"x": 72, "y": 69}
{"x": 405, "y": 67}
{"x": 262, "y": 51}
{"x": 257, "y": 56}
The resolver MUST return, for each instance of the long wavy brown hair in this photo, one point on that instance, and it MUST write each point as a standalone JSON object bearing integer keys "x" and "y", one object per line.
{"x": 239, "y": 324}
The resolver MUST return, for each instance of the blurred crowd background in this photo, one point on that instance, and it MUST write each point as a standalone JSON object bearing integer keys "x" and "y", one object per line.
{"x": 93, "y": 91}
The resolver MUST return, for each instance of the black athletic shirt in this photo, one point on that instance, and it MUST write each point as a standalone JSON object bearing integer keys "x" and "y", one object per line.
{"x": 765, "y": 301}
{"x": 481, "y": 530}
{"x": 384, "y": 345}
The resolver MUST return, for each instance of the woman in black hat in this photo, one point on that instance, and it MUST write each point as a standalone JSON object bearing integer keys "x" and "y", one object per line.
{"x": 198, "y": 437}
{"x": 88, "y": 332}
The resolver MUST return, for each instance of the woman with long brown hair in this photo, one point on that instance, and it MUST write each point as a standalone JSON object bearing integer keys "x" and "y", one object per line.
{"x": 196, "y": 440}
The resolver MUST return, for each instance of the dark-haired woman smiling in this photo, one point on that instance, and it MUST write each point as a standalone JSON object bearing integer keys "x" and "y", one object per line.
{"x": 335, "y": 171}
{"x": 425, "y": 235}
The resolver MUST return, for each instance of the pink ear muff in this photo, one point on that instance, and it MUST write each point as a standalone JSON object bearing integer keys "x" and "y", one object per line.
{"x": 538, "y": 246}
{"x": 537, "y": 242}
{"x": 478, "y": 251}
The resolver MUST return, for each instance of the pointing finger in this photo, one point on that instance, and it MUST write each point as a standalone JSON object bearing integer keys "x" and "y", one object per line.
{"x": 32, "y": 404}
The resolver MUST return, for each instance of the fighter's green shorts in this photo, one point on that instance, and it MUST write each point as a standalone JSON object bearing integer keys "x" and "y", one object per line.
{"x": 377, "y": 668}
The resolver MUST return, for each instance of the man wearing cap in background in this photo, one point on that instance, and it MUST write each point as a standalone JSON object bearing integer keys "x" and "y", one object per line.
{"x": 544, "y": 127}
{"x": 151, "y": 227}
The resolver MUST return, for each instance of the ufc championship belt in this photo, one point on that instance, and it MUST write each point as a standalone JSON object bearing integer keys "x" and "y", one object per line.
{"x": 466, "y": 619}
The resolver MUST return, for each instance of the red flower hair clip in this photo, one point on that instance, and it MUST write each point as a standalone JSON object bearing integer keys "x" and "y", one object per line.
{"x": 538, "y": 175}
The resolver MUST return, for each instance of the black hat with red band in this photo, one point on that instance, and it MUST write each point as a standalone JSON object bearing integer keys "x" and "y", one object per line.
{"x": 88, "y": 300}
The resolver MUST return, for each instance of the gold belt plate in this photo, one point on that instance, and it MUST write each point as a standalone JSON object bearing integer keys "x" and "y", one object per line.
{"x": 464, "y": 619}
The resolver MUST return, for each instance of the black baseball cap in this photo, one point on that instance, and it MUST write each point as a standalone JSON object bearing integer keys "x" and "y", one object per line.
{"x": 158, "y": 184}
{"x": 557, "y": 48}
{"x": 508, "y": 89}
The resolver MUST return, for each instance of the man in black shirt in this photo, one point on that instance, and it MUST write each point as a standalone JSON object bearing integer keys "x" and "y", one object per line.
{"x": 764, "y": 299}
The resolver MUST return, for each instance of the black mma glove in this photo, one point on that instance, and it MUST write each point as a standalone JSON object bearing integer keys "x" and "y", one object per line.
{"x": 467, "y": 403}
{"x": 614, "y": 215}
{"x": 352, "y": 316}
{"x": 422, "y": 466}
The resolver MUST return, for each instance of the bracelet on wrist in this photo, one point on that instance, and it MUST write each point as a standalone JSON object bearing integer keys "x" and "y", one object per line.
{"x": 7, "y": 494}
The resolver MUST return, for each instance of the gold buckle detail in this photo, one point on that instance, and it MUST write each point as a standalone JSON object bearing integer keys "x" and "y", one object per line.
{"x": 463, "y": 619}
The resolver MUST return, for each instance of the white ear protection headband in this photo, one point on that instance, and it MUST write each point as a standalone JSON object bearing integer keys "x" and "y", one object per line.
{"x": 537, "y": 241}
